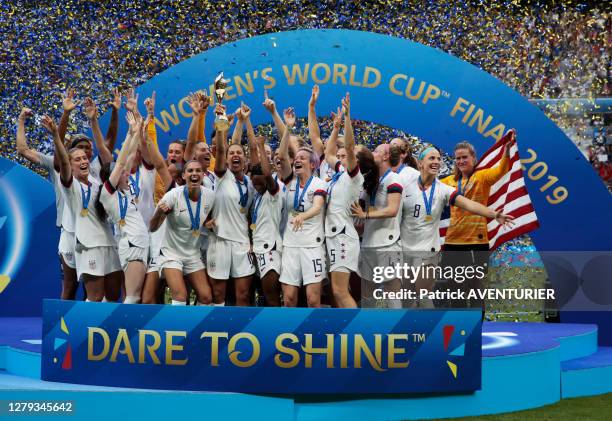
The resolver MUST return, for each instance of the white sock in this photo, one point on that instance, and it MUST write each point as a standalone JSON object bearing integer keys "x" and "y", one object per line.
{"x": 179, "y": 303}
{"x": 87, "y": 300}
{"x": 219, "y": 305}
{"x": 394, "y": 303}
{"x": 104, "y": 300}
{"x": 131, "y": 299}
{"x": 202, "y": 304}
{"x": 426, "y": 303}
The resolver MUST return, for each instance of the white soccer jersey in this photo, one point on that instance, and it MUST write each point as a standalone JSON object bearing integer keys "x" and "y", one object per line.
{"x": 284, "y": 212}
{"x": 209, "y": 181}
{"x": 407, "y": 174}
{"x": 46, "y": 161}
{"x": 385, "y": 231}
{"x": 142, "y": 188}
{"x": 326, "y": 171}
{"x": 229, "y": 214}
{"x": 95, "y": 165}
{"x": 266, "y": 213}
{"x": 342, "y": 191}
{"x": 134, "y": 230}
{"x": 417, "y": 232}
{"x": 312, "y": 232}
{"x": 179, "y": 241}
{"x": 90, "y": 230}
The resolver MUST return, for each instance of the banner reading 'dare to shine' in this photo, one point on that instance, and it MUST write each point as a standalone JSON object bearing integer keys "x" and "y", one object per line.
{"x": 261, "y": 350}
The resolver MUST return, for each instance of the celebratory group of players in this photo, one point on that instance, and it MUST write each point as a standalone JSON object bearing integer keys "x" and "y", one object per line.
{"x": 215, "y": 220}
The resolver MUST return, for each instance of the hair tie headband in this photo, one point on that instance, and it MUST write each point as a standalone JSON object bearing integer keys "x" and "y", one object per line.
{"x": 425, "y": 152}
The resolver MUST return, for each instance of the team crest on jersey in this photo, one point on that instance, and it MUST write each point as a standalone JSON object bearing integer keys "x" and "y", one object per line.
{"x": 92, "y": 264}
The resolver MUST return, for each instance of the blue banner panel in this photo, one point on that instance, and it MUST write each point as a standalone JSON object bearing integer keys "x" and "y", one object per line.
{"x": 261, "y": 350}
{"x": 29, "y": 264}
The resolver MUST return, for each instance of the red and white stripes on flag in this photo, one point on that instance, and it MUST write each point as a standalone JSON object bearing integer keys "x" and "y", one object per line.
{"x": 509, "y": 195}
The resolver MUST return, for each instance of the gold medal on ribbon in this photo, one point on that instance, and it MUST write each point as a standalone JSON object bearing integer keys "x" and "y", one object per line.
{"x": 243, "y": 210}
{"x": 122, "y": 222}
{"x": 252, "y": 226}
{"x": 195, "y": 233}
{"x": 135, "y": 199}
{"x": 84, "y": 212}
{"x": 429, "y": 218}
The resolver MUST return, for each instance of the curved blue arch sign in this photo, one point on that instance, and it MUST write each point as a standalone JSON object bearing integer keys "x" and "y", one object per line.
{"x": 392, "y": 81}
{"x": 411, "y": 87}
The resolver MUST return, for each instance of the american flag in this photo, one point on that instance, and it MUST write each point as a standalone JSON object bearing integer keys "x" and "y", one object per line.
{"x": 508, "y": 195}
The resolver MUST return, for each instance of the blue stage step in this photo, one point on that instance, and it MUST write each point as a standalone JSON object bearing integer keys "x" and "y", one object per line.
{"x": 525, "y": 365}
{"x": 587, "y": 376}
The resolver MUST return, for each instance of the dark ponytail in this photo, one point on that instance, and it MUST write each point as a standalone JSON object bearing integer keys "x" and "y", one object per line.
{"x": 369, "y": 169}
{"x": 105, "y": 172}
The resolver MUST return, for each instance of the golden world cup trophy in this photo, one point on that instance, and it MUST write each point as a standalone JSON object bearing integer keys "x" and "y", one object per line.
{"x": 221, "y": 121}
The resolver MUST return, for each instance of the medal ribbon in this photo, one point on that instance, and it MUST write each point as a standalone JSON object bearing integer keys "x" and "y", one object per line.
{"x": 461, "y": 192}
{"x": 332, "y": 183}
{"x": 87, "y": 196}
{"x": 244, "y": 196}
{"x": 399, "y": 170}
{"x": 256, "y": 208}
{"x": 373, "y": 196}
{"x": 428, "y": 203}
{"x": 123, "y": 205}
{"x": 296, "y": 201}
{"x": 195, "y": 220}
{"x": 134, "y": 183}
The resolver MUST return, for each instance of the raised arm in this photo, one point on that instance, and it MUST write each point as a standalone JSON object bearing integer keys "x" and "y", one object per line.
{"x": 156, "y": 157}
{"x": 283, "y": 149}
{"x": 493, "y": 174}
{"x": 113, "y": 126}
{"x": 91, "y": 111}
{"x": 253, "y": 149}
{"x": 63, "y": 158}
{"x": 266, "y": 169}
{"x": 314, "y": 133}
{"x": 239, "y": 128}
{"x": 126, "y": 149}
{"x": 131, "y": 102}
{"x": 221, "y": 146}
{"x": 349, "y": 136}
{"x": 270, "y": 105}
{"x": 331, "y": 148}
{"x": 68, "y": 104}
{"x": 22, "y": 144}
{"x": 199, "y": 104}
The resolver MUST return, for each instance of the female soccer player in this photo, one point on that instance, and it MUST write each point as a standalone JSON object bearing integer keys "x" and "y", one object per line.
{"x": 64, "y": 223}
{"x": 381, "y": 245}
{"x": 424, "y": 200}
{"x": 95, "y": 254}
{"x": 229, "y": 246}
{"x": 303, "y": 249}
{"x": 185, "y": 209}
{"x": 118, "y": 201}
{"x": 266, "y": 212}
{"x": 467, "y": 239}
{"x": 342, "y": 191}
